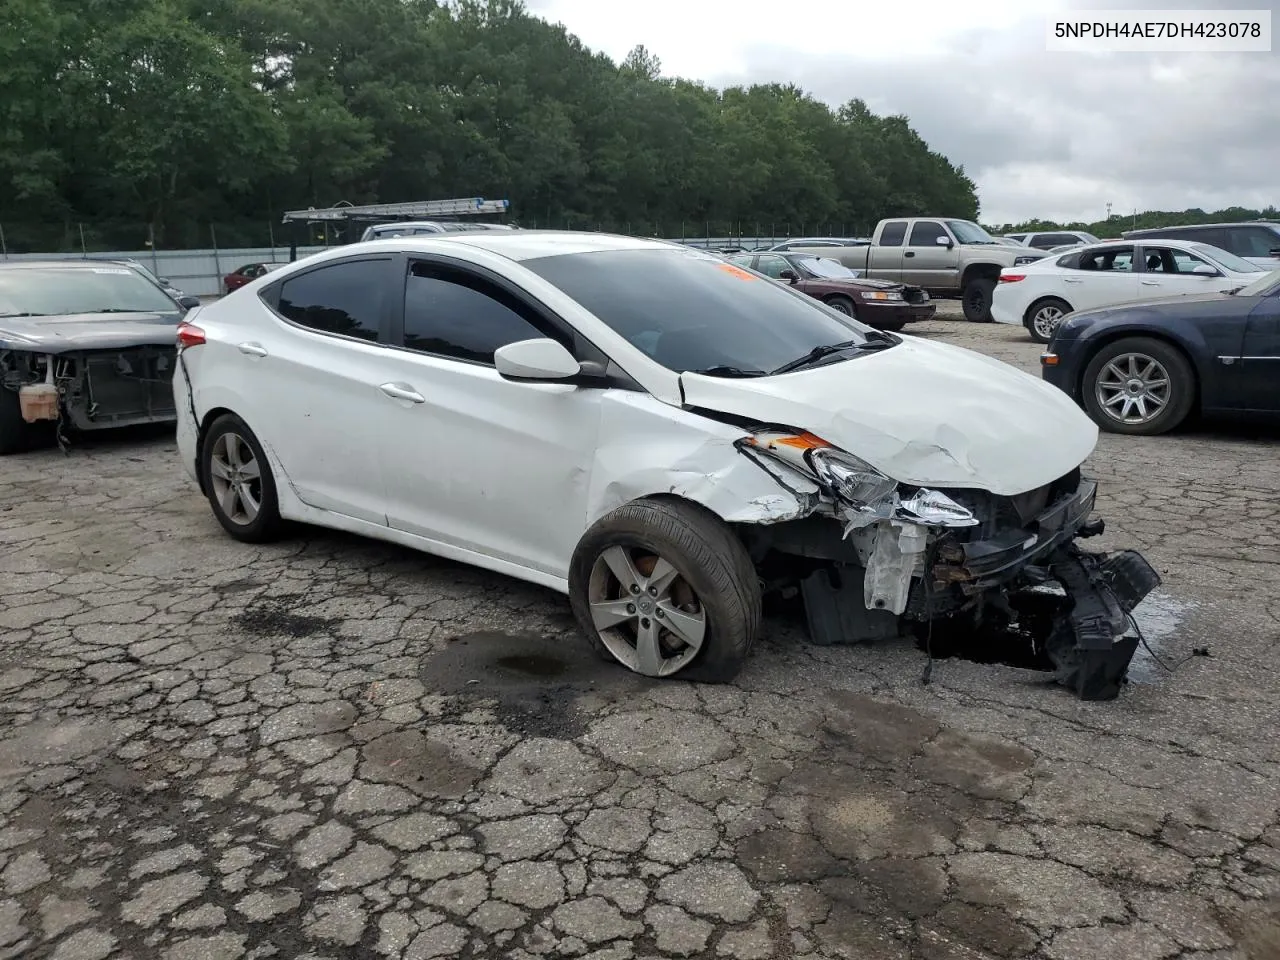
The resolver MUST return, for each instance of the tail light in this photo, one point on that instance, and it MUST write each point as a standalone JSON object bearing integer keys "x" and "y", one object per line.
{"x": 189, "y": 335}
{"x": 1012, "y": 277}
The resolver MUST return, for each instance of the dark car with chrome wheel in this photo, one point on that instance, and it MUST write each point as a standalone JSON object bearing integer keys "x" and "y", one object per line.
{"x": 1144, "y": 368}
{"x": 882, "y": 304}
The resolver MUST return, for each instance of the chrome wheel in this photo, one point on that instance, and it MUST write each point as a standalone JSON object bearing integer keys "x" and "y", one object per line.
{"x": 842, "y": 305}
{"x": 1132, "y": 388}
{"x": 644, "y": 611}
{"x": 1045, "y": 320}
{"x": 236, "y": 476}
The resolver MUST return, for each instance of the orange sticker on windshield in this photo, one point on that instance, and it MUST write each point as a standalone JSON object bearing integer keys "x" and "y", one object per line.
{"x": 736, "y": 271}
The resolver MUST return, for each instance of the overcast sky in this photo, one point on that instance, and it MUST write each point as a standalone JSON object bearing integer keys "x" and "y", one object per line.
{"x": 1053, "y": 135}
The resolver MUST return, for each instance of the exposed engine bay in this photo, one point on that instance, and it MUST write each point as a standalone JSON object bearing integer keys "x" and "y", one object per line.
{"x": 874, "y": 559}
{"x": 92, "y": 389}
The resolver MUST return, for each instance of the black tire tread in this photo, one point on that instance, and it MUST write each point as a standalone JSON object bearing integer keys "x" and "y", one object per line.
{"x": 1175, "y": 362}
{"x": 268, "y": 526}
{"x": 715, "y": 554}
{"x": 989, "y": 285}
{"x": 835, "y": 298}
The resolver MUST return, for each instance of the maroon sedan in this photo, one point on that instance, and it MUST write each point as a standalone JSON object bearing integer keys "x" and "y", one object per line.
{"x": 250, "y": 271}
{"x": 882, "y": 304}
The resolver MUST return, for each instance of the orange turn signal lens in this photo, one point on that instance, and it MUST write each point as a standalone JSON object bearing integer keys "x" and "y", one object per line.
{"x": 1048, "y": 359}
{"x": 796, "y": 441}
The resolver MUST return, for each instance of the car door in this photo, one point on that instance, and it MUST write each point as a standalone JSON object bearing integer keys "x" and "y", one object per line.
{"x": 485, "y": 465}
{"x": 928, "y": 261}
{"x": 885, "y": 258}
{"x": 311, "y": 379}
{"x": 1101, "y": 277}
{"x": 1260, "y": 363}
{"x": 1170, "y": 272}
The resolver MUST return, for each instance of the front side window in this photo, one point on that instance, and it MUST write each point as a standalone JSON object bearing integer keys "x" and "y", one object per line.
{"x": 691, "y": 311}
{"x": 925, "y": 233}
{"x": 344, "y": 298}
{"x": 772, "y": 267}
{"x": 454, "y": 314}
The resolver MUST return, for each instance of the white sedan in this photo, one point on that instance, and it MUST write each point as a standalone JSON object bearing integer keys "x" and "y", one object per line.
{"x": 653, "y": 431}
{"x": 1040, "y": 294}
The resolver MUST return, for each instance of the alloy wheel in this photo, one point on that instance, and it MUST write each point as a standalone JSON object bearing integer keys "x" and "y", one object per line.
{"x": 645, "y": 612}
{"x": 236, "y": 476}
{"x": 1132, "y": 388}
{"x": 1046, "y": 321}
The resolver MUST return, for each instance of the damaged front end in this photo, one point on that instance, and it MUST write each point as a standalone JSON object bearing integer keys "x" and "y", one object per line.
{"x": 876, "y": 559}
{"x": 92, "y": 389}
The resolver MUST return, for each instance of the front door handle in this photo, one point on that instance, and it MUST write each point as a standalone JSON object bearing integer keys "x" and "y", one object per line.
{"x": 909, "y": 253}
{"x": 253, "y": 349}
{"x": 402, "y": 391}
{"x": 1151, "y": 283}
{"x": 1073, "y": 280}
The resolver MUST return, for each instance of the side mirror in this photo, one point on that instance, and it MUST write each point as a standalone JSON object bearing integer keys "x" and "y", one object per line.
{"x": 188, "y": 302}
{"x": 536, "y": 360}
{"x": 944, "y": 242}
{"x": 1274, "y": 252}
{"x": 1204, "y": 270}
{"x": 163, "y": 281}
{"x": 789, "y": 275}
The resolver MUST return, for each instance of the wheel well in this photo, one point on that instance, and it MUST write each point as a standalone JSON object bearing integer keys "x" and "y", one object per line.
{"x": 979, "y": 271}
{"x": 1110, "y": 338}
{"x": 201, "y": 430}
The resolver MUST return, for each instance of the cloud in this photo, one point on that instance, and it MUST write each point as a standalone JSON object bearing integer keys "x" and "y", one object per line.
{"x": 1055, "y": 135}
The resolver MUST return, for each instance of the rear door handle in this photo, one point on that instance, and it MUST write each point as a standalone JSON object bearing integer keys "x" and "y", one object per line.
{"x": 253, "y": 349}
{"x": 1073, "y": 280}
{"x": 1151, "y": 283}
{"x": 909, "y": 253}
{"x": 402, "y": 391}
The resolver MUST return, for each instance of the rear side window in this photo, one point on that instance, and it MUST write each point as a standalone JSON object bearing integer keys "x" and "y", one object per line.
{"x": 455, "y": 314}
{"x": 894, "y": 232}
{"x": 346, "y": 298}
{"x": 1252, "y": 241}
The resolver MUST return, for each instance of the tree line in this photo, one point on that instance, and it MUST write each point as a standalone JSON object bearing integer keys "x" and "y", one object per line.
{"x": 1114, "y": 225}
{"x": 141, "y": 121}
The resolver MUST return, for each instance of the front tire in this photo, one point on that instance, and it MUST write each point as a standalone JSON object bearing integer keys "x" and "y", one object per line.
{"x": 976, "y": 299}
{"x": 238, "y": 483}
{"x": 843, "y": 304}
{"x": 1139, "y": 386}
{"x": 663, "y": 587}
{"x": 1043, "y": 316}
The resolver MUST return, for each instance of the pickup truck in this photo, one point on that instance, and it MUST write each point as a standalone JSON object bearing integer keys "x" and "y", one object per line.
{"x": 949, "y": 258}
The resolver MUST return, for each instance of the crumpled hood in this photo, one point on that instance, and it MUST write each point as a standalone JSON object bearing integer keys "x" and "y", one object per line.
{"x": 863, "y": 282}
{"x": 88, "y": 331}
{"x": 922, "y": 413}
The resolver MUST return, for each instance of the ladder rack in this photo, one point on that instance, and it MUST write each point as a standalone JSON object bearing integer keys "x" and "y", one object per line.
{"x": 464, "y": 207}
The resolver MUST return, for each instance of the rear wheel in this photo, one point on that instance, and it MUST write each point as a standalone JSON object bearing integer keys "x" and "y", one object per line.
{"x": 843, "y": 304}
{"x": 976, "y": 299}
{"x": 663, "y": 587}
{"x": 1043, "y": 316}
{"x": 1139, "y": 386}
{"x": 238, "y": 481}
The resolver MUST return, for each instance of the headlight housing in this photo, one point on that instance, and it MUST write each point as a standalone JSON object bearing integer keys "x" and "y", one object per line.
{"x": 1022, "y": 261}
{"x": 864, "y": 494}
{"x": 881, "y": 295}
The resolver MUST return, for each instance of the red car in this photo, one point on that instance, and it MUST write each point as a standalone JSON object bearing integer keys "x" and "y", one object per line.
{"x": 250, "y": 271}
{"x": 882, "y": 304}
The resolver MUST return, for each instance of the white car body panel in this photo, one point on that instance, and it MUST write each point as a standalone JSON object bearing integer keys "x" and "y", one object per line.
{"x": 508, "y": 475}
{"x": 922, "y": 413}
{"x": 1087, "y": 290}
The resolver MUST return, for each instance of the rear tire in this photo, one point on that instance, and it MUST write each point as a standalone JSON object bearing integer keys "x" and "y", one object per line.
{"x": 976, "y": 300}
{"x": 701, "y": 576}
{"x": 1107, "y": 379}
{"x": 1043, "y": 316}
{"x": 237, "y": 480}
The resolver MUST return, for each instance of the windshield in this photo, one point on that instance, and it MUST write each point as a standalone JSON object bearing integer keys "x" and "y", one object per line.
{"x": 689, "y": 310}
{"x": 44, "y": 292}
{"x": 1088, "y": 237}
{"x": 1263, "y": 285}
{"x": 1226, "y": 259}
{"x": 827, "y": 269}
{"x": 966, "y": 231}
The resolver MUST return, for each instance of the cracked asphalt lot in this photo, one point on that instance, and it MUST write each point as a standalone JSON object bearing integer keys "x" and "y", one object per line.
{"x": 335, "y": 748}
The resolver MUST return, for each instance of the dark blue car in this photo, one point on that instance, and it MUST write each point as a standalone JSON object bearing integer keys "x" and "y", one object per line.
{"x": 1143, "y": 368}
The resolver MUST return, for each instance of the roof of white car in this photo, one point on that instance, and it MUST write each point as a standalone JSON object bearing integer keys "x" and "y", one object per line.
{"x": 520, "y": 244}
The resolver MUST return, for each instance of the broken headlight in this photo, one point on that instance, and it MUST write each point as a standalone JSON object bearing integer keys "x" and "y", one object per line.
{"x": 866, "y": 494}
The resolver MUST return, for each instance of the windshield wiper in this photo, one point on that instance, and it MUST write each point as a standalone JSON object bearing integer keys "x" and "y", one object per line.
{"x": 121, "y": 310}
{"x": 721, "y": 370}
{"x": 826, "y": 350}
{"x": 24, "y": 314}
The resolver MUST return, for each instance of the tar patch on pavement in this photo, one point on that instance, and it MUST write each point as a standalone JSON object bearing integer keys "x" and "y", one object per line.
{"x": 535, "y": 683}
{"x": 278, "y": 621}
